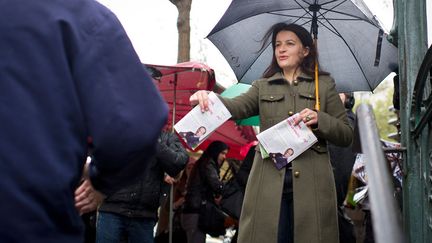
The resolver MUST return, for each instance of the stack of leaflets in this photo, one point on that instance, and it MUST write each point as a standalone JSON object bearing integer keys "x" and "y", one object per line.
{"x": 197, "y": 126}
{"x": 285, "y": 141}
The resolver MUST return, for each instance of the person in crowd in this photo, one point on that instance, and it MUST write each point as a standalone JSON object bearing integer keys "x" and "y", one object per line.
{"x": 179, "y": 191}
{"x": 87, "y": 199}
{"x": 245, "y": 168}
{"x": 131, "y": 212}
{"x": 192, "y": 138}
{"x": 296, "y": 204}
{"x": 204, "y": 184}
{"x": 342, "y": 159}
{"x": 68, "y": 71}
{"x": 241, "y": 178}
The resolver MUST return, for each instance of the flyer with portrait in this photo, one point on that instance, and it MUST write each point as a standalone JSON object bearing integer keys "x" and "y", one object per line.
{"x": 196, "y": 126}
{"x": 285, "y": 141}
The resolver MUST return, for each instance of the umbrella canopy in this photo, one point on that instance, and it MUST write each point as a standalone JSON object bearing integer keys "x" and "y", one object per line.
{"x": 352, "y": 45}
{"x": 178, "y": 82}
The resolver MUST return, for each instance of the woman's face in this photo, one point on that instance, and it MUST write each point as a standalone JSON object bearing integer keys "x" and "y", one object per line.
{"x": 222, "y": 156}
{"x": 289, "y": 50}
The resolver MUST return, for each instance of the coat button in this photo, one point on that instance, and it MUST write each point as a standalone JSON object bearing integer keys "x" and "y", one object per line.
{"x": 295, "y": 82}
{"x": 271, "y": 97}
{"x": 318, "y": 147}
{"x": 296, "y": 174}
{"x": 290, "y": 113}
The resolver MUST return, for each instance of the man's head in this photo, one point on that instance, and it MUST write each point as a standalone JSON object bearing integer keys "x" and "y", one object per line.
{"x": 348, "y": 100}
{"x": 289, "y": 152}
{"x": 200, "y": 131}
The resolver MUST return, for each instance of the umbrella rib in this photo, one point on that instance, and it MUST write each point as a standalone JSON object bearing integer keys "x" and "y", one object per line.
{"x": 345, "y": 14}
{"x": 351, "y": 51}
{"x": 263, "y": 49}
{"x": 303, "y": 17}
{"x": 333, "y": 11}
{"x": 306, "y": 10}
{"x": 355, "y": 18}
{"x": 329, "y": 2}
{"x": 333, "y": 30}
{"x": 259, "y": 53}
{"x": 289, "y": 15}
{"x": 340, "y": 36}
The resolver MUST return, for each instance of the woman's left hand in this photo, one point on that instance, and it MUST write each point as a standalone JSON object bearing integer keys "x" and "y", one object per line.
{"x": 308, "y": 116}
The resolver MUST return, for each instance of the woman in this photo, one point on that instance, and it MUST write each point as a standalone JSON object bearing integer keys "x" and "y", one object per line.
{"x": 305, "y": 209}
{"x": 203, "y": 184}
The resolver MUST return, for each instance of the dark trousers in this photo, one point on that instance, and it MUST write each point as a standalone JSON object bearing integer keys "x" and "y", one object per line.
{"x": 113, "y": 228}
{"x": 286, "y": 219}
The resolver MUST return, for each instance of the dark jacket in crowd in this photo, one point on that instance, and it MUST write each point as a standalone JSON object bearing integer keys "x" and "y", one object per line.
{"x": 204, "y": 182}
{"x": 342, "y": 160}
{"x": 141, "y": 199}
{"x": 68, "y": 71}
{"x": 245, "y": 168}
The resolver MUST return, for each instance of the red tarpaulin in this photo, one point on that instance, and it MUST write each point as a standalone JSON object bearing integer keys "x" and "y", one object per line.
{"x": 184, "y": 79}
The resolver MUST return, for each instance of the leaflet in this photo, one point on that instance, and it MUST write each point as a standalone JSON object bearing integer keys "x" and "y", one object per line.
{"x": 285, "y": 141}
{"x": 196, "y": 126}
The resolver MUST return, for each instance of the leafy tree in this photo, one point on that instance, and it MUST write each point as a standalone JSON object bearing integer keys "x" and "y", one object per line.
{"x": 381, "y": 102}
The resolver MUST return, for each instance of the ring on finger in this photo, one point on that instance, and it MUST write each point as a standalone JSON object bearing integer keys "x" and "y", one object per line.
{"x": 308, "y": 118}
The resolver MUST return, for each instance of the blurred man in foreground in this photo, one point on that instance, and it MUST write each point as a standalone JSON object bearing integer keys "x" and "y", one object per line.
{"x": 67, "y": 72}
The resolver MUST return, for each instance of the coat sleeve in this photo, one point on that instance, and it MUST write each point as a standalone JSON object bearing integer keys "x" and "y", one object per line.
{"x": 333, "y": 124}
{"x": 123, "y": 109}
{"x": 211, "y": 177}
{"x": 171, "y": 154}
{"x": 244, "y": 105}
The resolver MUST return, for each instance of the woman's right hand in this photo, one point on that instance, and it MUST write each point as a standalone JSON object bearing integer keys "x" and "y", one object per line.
{"x": 201, "y": 98}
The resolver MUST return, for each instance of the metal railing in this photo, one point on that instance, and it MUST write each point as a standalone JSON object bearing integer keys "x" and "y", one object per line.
{"x": 386, "y": 216}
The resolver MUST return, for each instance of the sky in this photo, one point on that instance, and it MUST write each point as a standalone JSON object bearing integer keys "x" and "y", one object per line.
{"x": 151, "y": 26}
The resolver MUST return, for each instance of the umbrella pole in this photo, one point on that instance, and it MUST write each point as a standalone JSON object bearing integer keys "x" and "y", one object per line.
{"x": 171, "y": 199}
{"x": 314, "y": 29}
{"x": 317, "y": 103}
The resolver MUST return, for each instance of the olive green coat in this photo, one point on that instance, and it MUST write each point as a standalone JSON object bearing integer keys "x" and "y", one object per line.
{"x": 315, "y": 216}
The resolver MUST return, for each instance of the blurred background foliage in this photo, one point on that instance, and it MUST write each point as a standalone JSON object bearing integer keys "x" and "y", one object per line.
{"x": 382, "y": 102}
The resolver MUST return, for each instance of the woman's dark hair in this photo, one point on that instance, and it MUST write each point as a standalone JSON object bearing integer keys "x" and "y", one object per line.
{"x": 308, "y": 64}
{"x": 213, "y": 151}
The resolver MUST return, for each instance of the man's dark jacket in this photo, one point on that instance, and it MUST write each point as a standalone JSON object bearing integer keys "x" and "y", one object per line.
{"x": 68, "y": 71}
{"x": 141, "y": 199}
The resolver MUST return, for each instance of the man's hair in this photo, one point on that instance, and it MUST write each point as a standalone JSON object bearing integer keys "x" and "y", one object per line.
{"x": 349, "y": 101}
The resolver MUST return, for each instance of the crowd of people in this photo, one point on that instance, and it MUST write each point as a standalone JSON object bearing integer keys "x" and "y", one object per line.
{"x": 72, "y": 86}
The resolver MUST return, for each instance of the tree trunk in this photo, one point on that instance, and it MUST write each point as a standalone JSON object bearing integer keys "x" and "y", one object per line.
{"x": 183, "y": 27}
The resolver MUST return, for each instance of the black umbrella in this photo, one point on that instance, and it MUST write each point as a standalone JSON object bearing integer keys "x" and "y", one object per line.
{"x": 351, "y": 43}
